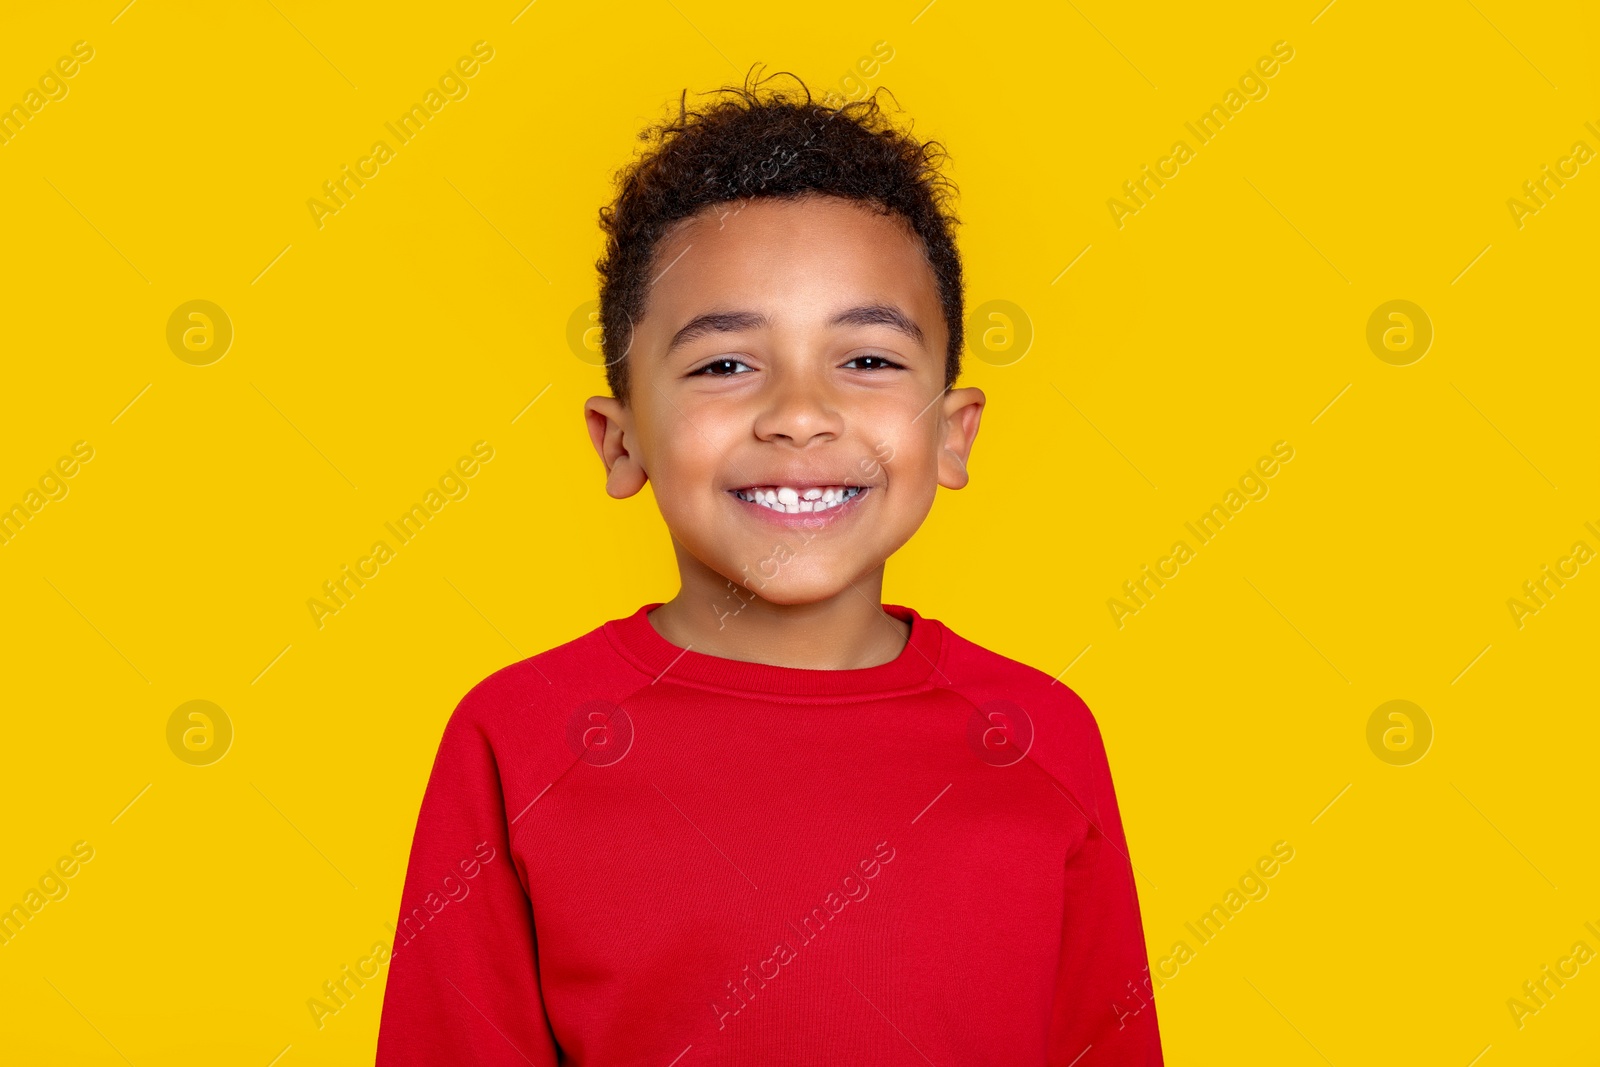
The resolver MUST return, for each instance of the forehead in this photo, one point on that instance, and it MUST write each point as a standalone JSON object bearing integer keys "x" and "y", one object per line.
{"x": 804, "y": 256}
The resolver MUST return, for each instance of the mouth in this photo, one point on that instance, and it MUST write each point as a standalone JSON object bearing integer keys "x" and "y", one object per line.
{"x": 797, "y": 500}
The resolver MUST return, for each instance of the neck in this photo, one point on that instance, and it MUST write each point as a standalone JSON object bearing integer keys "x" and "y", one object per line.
{"x": 847, "y": 631}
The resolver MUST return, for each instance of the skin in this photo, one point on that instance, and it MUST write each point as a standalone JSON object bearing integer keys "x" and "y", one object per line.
{"x": 798, "y": 400}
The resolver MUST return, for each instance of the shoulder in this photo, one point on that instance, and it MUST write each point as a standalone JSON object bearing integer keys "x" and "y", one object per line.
{"x": 524, "y": 707}
{"x": 511, "y": 736}
{"x": 983, "y": 675}
{"x": 1062, "y": 735}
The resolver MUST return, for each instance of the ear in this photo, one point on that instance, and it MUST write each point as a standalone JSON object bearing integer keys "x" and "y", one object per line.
{"x": 962, "y": 408}
{"x": 610, "y": 427}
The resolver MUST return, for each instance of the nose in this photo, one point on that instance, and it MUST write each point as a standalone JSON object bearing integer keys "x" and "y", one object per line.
{"x": 798, "y": 409}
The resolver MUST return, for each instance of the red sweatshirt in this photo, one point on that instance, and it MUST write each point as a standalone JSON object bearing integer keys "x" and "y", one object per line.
{"x": 631, "y": 853}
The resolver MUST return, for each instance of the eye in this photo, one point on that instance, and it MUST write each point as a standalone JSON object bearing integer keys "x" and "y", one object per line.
{"x": 882, "y": 361}
{"x": 715, "y": 368}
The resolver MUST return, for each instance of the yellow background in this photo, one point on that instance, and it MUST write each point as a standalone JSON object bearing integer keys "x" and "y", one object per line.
{"x": 427, "y": 314}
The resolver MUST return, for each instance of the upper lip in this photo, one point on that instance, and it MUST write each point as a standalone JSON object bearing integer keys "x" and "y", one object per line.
{"x": 801, "y": 482}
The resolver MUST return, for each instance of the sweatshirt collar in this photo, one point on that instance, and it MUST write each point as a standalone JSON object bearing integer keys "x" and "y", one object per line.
{"x": 637, "y": 639}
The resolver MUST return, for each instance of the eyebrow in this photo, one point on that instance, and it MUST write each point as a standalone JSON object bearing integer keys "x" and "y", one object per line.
{"x": 740, "y": 321}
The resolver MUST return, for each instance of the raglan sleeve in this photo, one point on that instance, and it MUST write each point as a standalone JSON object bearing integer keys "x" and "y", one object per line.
{"x": 1103, "y": 1013}
{"x": 463, "y": 979}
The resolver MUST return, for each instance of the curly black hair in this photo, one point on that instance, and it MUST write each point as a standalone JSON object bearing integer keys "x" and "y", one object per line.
{"x": 770, "y": 144}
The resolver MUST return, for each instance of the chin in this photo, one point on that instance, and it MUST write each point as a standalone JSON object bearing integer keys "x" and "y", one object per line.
{"x": 790, "y": 590}
{"x": 775, "y": 593}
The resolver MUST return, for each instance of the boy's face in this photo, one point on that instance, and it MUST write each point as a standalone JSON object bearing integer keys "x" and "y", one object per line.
{"x": 819, "y": 368}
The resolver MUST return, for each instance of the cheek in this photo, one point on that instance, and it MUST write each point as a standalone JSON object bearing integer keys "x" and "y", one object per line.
{"x": 909, "y": 452}
{"x": 687, "y": 469}
{"x": 912, "y": 500}
{"x": 686, "y": 494}
{"x": 910, "y": 483}
{"x": 680, "y": 448}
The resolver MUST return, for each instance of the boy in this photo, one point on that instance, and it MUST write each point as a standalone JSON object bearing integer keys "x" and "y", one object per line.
{"x": 772, "y": 820}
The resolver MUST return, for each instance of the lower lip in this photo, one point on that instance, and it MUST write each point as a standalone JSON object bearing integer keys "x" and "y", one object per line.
{"x": 805, "y": 520}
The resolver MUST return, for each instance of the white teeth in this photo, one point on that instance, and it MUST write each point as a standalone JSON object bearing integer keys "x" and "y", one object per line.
{"x": 790, "y": 501}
